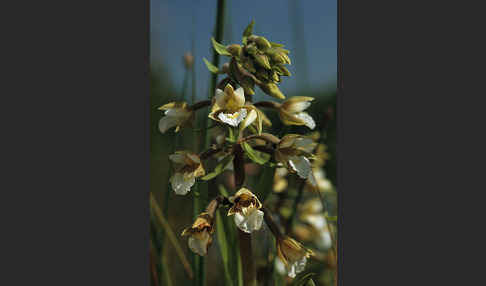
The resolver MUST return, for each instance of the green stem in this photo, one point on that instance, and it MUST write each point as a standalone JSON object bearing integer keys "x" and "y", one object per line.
{"x": 294, "y": 207}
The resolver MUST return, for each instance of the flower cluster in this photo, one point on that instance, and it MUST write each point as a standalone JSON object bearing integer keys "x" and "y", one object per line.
{"x": 242, "y": 138}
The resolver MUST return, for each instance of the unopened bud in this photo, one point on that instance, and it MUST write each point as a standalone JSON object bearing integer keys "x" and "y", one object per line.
{"x": 263, "y": 61}
{"x": 262, "y": 43}
{"x": 188, "y": 60}
{"x": 234, "y": 50}
{"x": 272, "y": 90}
{"x": 225, "y": 68}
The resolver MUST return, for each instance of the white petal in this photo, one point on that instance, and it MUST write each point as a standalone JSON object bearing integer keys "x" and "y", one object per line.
{"x": 308, "y": 121}
{"x": 251, "y": 222}
{"x": 301, "y": 165}
{"x": 233, "y": 119}
{"x": 240, "y": 96}
{"x": 298, "y": 106}
{"x": 280, "y": 266}
{"x": 220, "y": 97}
{"x": 317, "y": 221}
{"x": 199, "y": 246}
{"x": 297, "y": 267}
{"x": 181, "y": 185}
{"x": 324, "y": 241}
{"x": 166, "y": 122}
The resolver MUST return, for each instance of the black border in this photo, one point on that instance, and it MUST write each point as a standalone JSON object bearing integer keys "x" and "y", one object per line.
{"x": 76, "y": 164}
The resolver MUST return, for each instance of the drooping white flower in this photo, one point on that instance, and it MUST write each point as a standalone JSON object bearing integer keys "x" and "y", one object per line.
{"x": 293, "y": 255}
{"x": 294, "y": 151}
{"x": 200, "y": 234}
{"x": 177, "y": 114}
{"x": 311, "y": 213}
{"x": 292, "y": 112}
{"x": 188, "y": 167}
{"x": 246, "y": 210}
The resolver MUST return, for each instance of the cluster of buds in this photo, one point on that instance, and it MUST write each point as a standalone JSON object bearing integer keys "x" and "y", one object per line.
{"x": 256, "y": 62}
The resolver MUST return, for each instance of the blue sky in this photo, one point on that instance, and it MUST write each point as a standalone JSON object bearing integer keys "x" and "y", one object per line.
{"x": 172, "y": 23}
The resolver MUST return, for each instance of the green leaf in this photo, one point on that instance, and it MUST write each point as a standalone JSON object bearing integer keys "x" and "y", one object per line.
{"x": 227, "y": 254}
{"x": 212, "y": 68}
{"x": 219, "y": 48}
{"x": 248, "y": 31}
{"x": 305, "y": 280}
{"x": 265, "y": 183}
{"x": 219, "y": 168}
{"x": 256, "y": 156}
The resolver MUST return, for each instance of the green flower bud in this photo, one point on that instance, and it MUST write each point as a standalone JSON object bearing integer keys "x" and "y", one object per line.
{"x": 251, "y": 49}
{"x": 262, "y": 43}
{"x": 272, "y": 89}
{"x": 281, "y": 70}
{"x": 262, "y": 60}
{"x": 275, "y": 76}
{"x": 234, "y": 50}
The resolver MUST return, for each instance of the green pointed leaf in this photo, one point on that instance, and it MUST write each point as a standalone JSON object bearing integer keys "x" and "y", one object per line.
{"x": 256, "y": 156}
{"x": 219, "y": 168}
{"x": 219, "y": 48}
{"x": 248, "y": 31}
{"x": 212, "y": 68}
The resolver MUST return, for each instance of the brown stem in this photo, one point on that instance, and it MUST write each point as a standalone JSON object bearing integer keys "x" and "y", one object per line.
{"x": 208, "y": 153}
{"x": 263, "y": 149}
{"x": 239, "y": 166}
{"x": 264, "y": 136}
{"x": 271, "y": 223}
{"x": 200, "y": 104}
{"x": 249, "y": 271}
{"x": 267, "y": 104}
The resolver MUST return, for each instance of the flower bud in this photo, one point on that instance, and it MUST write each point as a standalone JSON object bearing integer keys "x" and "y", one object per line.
{"x": 262, "y": 60}
{"x": 234, "y": 50}
{"x": 272, "y": 89}
{"x": 188, "y": 60}
{"x": 262, "y": 43}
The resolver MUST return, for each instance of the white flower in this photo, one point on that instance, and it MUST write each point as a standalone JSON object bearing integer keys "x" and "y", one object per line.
{"x": 233, "y": 119}
{"x": 229, "y": 106}
{"x": 292, "y": 112}
{"x": 188, "y": 167}
{"x": 200, "y": 234}
{"x": 293, "y": 152}
{"x": 301, "y": 165}
{"x": 293, "y": 255}
{"x": 177, "y": 114}
{"x": 246, "y": 209}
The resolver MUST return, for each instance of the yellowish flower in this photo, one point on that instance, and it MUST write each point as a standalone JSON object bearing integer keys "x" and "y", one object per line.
{"x": 293, "y": 255}
{"x": 177, "y": 114}
{"x": 246, "y": 210}
{"x": 294, "y": 151}
{"x": 229, "y": 106}
{"x": 292, "y": 112}
{"x": 200, "y": 234}
{"x": 188, "y": 167}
